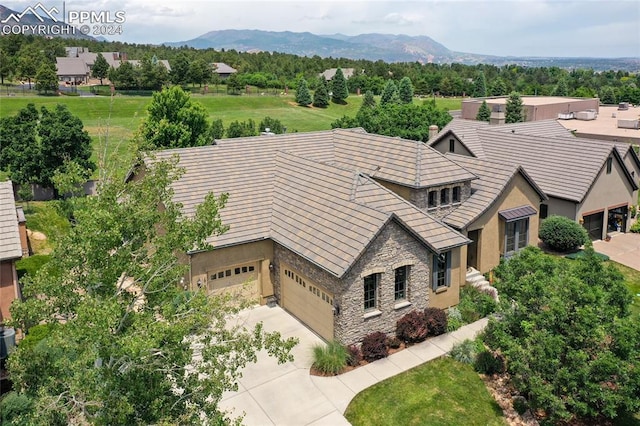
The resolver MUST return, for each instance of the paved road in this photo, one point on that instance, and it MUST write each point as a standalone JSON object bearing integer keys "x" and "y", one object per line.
{"x": 272, "y": 394}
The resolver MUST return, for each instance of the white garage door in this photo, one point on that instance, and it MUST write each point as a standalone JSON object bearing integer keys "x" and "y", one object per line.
{"x": 239, "y": 279}
{"x": 310, "y": 303}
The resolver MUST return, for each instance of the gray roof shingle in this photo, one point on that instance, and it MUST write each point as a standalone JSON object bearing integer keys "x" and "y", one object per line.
{"x": 10, "y": 247}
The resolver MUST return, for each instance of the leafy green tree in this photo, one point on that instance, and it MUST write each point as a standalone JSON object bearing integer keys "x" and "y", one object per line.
{"x": 484, "y": 113}
{"x": 303, "y": 97}
{"x": 274, "y": 125}
{"x": 199, "y": 72}
{"x": 130, "y": 345}
{"x": 565, "y": 330}
{"x": 217, "y": 129}
{"x": 389, "y": 94}
{"x": 480, "y": 85}
{"x": 100, "y": 68}
{"x": 29, "y": 60}
{"x": 70, "y": 178}
{"x": 7, "y": 65}
{"x": 405, "y": 91}
{"x": 46, "y": 78}
{"x": 514, "y": 110}
{"x": 607, "y": 95}
{"x": 180, "y": 69}
{"x": 63, "y": 139}
{"x": 125, "y": 77}
{"x": 242, "y": 129}
{"x": 234, "y": 85}
{"x": 562, "y": 88}
{"x": 321, "y": 95}
{"x": 339, "y": 90}
{"x": 174, "y": 121}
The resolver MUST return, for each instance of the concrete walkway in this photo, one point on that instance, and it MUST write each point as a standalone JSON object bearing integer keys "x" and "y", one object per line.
{"x": 272, "y": 394}
{"x": 621, "y": 248}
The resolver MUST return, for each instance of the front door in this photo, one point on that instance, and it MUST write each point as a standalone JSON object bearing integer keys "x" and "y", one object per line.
{"x": 472, "y": 249}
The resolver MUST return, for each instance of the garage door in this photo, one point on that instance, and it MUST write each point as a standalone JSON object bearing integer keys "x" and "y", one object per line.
{"x": 310, "y": 303}
{"x": 239, "y": 279}
{"x": 593, "y": 224}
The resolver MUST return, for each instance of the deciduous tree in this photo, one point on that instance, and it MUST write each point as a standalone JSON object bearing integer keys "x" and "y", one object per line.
{"x": 100, "y": 67}
{"x": 46, "y": 78}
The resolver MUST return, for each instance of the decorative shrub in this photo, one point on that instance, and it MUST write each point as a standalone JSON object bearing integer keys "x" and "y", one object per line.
{"x": 489, "y": 363}
{"x": 374, "y": 346}
{"x": 475, "y": 304}
{"x": 633, "y": 211}
{"x": 562, "y": 234}
{"x": 520, "y": 404}
{"x": 330, "y": 359}
{"x": 454, "y": 319}
{"x": 355, "y": 355}
{"x": 636, "y": 227}
{"x": 464, "y": 352}
{"x": 412, "y": 328}
{"x": 436, "y": 320}
{"x": 393, "y": 342}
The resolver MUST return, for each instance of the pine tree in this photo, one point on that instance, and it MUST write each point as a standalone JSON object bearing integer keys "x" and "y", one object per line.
{"x": 480, "y": 86}
{"x": 368, "y": 101}
{"x": 389, "y": 93}
{"x": 562, "y": 89}
{"x": 514, "y": 112}
{"x": 303, "y": 97}
{"x": 499, "y": 87}
{"x": 339, "y": 89}
{"x": 321, "y": 95}
{"x": 484, "y": 113}
{"x": 405, "y": 91}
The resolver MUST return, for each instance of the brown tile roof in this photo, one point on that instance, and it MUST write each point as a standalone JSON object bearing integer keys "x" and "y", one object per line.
{"x": 291, "y": 188}
{"x": 71, "y": 67}
{"x": 10, "y": 247}
{"x": 493, "y": 179}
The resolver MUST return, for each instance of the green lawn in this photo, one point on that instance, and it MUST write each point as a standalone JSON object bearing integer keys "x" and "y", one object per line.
{"x": 440, "y": 392}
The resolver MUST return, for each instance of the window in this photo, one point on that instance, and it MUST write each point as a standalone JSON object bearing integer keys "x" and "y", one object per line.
{"x": 371, "y": 291}
{"x": 236, "y": 271}
{"x": 441, "y": 270}
{"x": 516, "y": 236}
{"x": 609, "y": 165}
{"x": 455, "y": 194}
{"x": 444, "y": 196}
{"x": 452, "y": 145}
{"x": 433, "y": 199}
{"x": 544, "y": 211}
{"x": 402, "y": 274}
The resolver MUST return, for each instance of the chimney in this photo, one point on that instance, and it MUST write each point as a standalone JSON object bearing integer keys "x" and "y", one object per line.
{"x": 433, "y": 131}
{"x": 497, "y": 115}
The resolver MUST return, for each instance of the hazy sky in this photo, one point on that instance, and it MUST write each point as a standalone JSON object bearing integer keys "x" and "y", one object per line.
{"x": 596, "y": 28}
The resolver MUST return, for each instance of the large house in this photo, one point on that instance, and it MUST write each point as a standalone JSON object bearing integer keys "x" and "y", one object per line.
{"x": 592, "y": 182}
{"x": 223, "y": 70}
{"x": 13, "y": 245}
{"x": 348, "y": 230}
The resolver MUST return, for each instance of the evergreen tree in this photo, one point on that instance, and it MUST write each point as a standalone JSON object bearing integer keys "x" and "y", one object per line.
{"x": 405, "y": 91}
{"x": 46, "y": 78}
{"x": 339, "y": 88}
{"x": 303, "y": 96}
{"x": 499, "y": 87}
{"x": 484, "y": 113}
{"x": 607, "y": 95}
{"x": 100, "y": 68}
{"x": 217, "y": 129}
{"x": 562, "y": 88}
{"x": 514, "y": 111}
{"x": 368, "y": 101}
{"x": 389, "y": 94}
{"x": 321, "y": 95}
{"x": 480, "y": 86}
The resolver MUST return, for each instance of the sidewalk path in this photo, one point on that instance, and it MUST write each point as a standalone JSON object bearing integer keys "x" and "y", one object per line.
{"x": 286, "y": 394}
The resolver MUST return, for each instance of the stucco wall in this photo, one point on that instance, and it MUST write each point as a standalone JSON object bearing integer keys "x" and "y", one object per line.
{"x": 443, "y": 147}
{"x": 491, "y": 244}
{"x": 560, "y": 207}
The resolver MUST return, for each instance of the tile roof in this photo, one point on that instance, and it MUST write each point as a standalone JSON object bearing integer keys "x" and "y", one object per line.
{"x": 10, "y": 247}
{"x": 303, "y": 191}
{"x": 222, "y": 68}
{"x": 493, "y": 179}
{"x": 71, "y": 66}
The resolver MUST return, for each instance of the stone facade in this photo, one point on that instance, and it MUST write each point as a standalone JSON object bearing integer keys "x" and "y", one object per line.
{"x": 420, "y": 198}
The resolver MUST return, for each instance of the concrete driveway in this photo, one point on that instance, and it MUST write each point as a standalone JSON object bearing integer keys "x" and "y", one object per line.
{"x": 621, "y": 248}
{"x": 286, "y": 394}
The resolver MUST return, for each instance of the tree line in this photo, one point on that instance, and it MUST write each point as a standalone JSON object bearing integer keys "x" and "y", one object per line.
{"x": 22, "y": 56}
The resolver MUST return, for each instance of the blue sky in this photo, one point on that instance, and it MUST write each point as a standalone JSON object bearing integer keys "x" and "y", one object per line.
{"x": 596, "y": 28}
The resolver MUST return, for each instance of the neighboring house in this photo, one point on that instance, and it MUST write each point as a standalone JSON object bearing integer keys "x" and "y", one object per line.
{"x": 535, "y": 107}
{"x": 331, "y": 72}
{"x": 343, "y": 228}
{"x": 13, "y": 245}
{"x": 223, "y": 70}
{"x": 592, "y": 182}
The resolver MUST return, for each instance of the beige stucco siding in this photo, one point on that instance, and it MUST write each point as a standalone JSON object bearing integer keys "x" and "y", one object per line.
{"x": 560, "y": 207}
{"x": 458, "y": 148}
{"x": 491, "y": 244}
{"x": 257, "y": 255}
{"x": 446, "y": 297}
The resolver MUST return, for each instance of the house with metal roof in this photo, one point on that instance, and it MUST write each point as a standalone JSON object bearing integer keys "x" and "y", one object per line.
{"x": 12, "y": 247}
{"x": 344, "y": 229}
{"x": 590, "y": 181}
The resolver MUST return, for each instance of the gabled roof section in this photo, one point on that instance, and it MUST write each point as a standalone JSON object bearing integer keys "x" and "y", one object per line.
{"x": 543, "y": 128}
{"x": 222, "y": 68}
{"x": 401, "y": 161}
{"x": 10, "y": 247}
{"x": 467, "y": 133}
{"x": 494, "y": 179}
{"x": 330, "y": 215}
